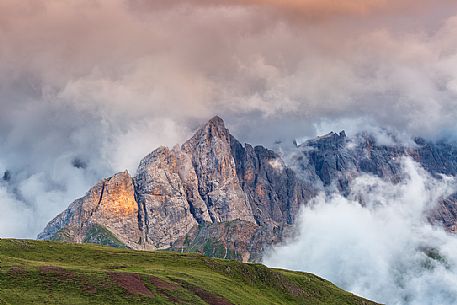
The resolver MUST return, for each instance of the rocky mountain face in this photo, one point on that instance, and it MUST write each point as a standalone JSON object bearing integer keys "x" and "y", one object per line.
{"x": 334, "y": 160}
{"x": 211, "y": 195}
{"x": 214, "y": 195}
{"x": 107, "y": 213}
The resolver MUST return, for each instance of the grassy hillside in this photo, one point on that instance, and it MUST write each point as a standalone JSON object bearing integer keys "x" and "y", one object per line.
{"x": 39, "y": 272}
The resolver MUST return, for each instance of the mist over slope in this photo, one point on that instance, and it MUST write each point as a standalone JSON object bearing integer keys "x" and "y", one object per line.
{"x": 377, "y": 241}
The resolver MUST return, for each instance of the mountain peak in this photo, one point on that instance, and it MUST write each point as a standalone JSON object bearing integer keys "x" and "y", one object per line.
{"x": 216, "y": 121}
{"x": 213, "y": 129}
{"x": 239, "y": 199}
{"x": 216, "y": 128}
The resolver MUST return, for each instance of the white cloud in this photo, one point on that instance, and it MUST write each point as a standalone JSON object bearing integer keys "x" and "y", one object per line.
{"x": 378, "y": 250}
{"x": 15, "y": 217}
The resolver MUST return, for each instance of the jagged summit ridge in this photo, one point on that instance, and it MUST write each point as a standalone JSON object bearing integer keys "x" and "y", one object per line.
{"x": 210, "y": 183}
{"x": 213, "y": 133}
{"x": 214, "y": 195}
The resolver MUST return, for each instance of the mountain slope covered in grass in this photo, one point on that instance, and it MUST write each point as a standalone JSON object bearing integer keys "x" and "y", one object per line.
{"x": 44, "y": 272}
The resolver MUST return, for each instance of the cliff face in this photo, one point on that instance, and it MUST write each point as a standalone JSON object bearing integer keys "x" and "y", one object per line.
{"x": 108, "y": 211}
{"x": 211, "y": 194}
{"x": 217, "y": 183}
{"x": 335, "y": 160}
{"x": 218, "y": 197}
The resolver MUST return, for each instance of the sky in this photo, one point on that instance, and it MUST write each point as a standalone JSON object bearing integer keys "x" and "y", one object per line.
{"x": 88, "y": 87}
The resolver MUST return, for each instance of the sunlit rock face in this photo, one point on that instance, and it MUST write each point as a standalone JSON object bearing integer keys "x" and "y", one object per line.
{"x": 219, "y": 197}
{"x": 118, "y": 210}
{"x": 110, "y": 204}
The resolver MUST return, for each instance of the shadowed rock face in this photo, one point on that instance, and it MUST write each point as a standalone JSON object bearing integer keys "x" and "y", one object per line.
{"x": 274, "y": 191}
{"x": 335, "y": 160}
{"x": 445, "y": 214}
{"x": 218, "y": 197}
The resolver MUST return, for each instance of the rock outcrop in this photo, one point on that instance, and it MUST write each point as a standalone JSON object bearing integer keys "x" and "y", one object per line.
{"x": 109, "y": 208}
{"x": 218, "y": 197}
{"x": 211, "y": 193}
{"x": 334, "y": 160}
{"x": 213, "y": 164}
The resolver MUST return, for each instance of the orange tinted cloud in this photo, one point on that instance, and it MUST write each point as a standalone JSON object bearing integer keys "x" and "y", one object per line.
{"x": 317, "y": 9}
{"x": 313, "y": 9}
{"x": 324, "y": 6}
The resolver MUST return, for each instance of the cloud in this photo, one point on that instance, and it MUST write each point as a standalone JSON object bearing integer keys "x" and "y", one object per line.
{"x": 305, "y": 9}
{"x": 106, "y": 82}
{"x": 384, "y": 250}
{"x": 326, "y": 5}
{"x": 14, "y": 217}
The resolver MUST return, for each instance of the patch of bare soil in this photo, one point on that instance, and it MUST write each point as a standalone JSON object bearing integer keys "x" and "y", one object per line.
{"x": 161, "y": 284}
{"x": 208, "y": 297}
{"x": 16, "y": 271}
{"x": 131, "y": 282}
{"x": 165, "y": 288}
{"x": 90, "y": 289}
{"x": 59, "y": 272}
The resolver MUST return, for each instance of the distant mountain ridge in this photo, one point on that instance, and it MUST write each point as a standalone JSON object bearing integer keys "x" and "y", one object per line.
{"x": 335, "y": 160}
{"x": 214, "y": 195}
